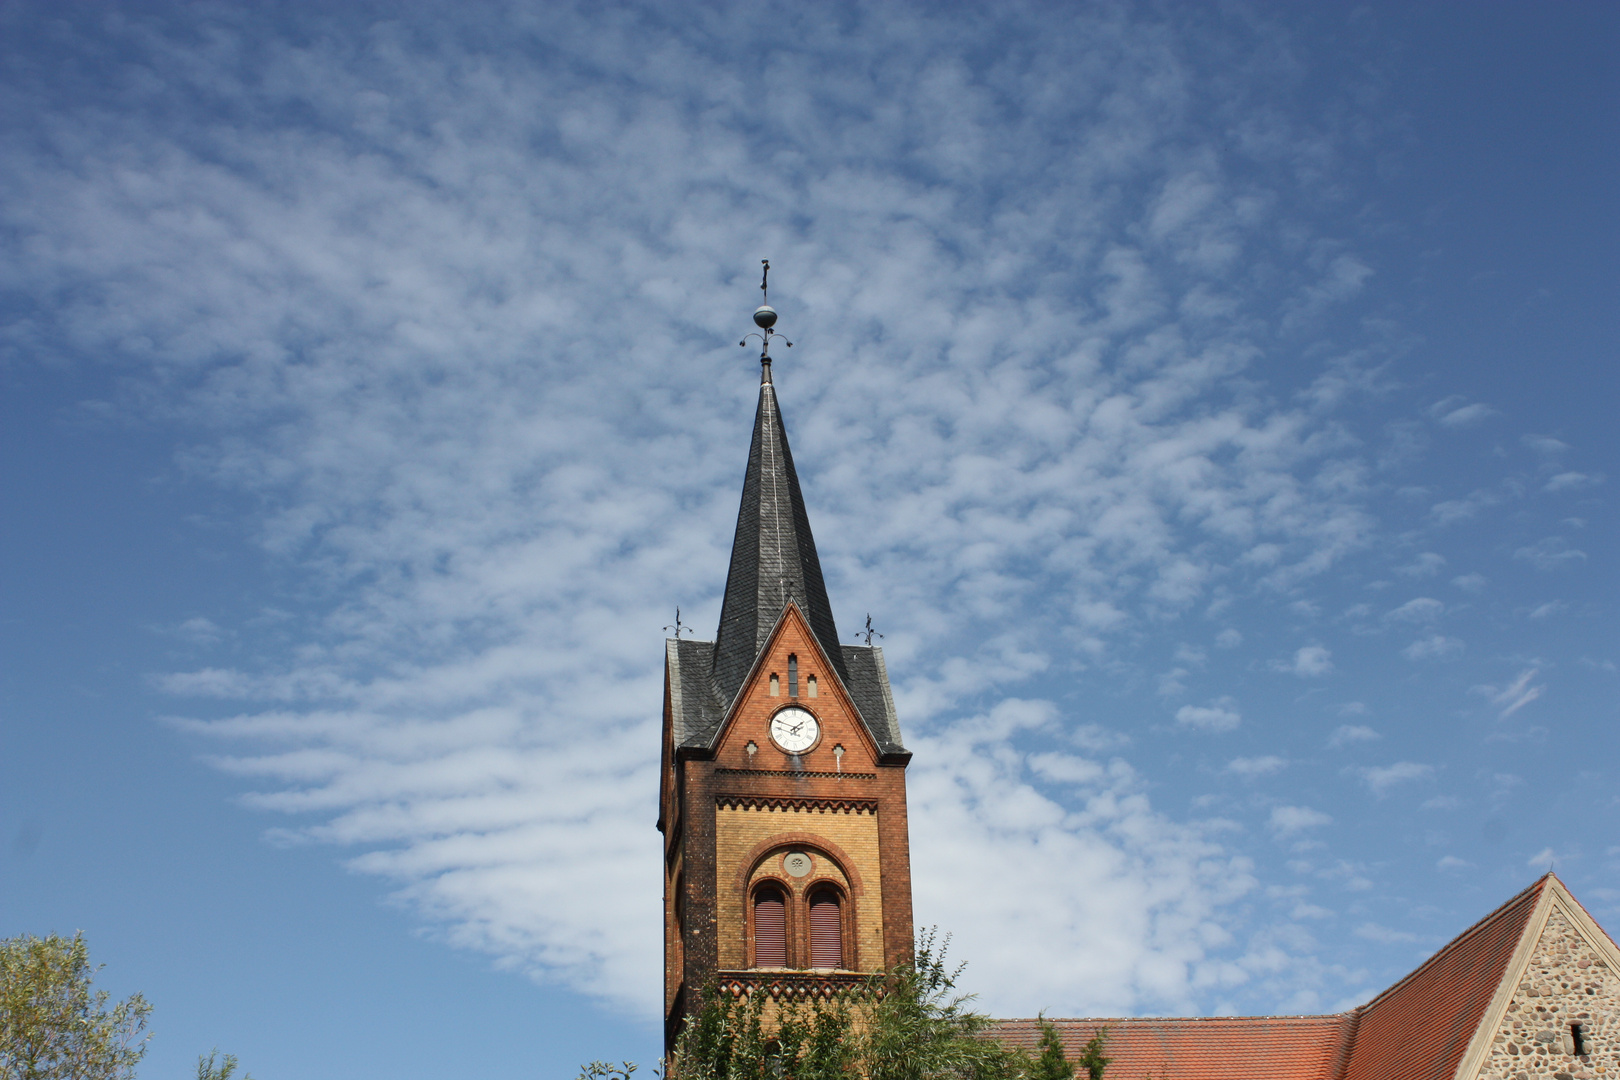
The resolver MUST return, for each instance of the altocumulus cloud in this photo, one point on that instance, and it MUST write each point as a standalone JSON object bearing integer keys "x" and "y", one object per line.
{"x": 386, "y": 272}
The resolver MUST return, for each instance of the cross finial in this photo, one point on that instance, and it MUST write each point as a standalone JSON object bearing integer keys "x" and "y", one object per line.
{"x": 765, "y": 319}
{"x": 679, "y": 627}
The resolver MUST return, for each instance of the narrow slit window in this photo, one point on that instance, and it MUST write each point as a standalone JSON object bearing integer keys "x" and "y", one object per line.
{"x": 1579, "y": 1038}
{"x": 776, "y": 685}
{"x": 809, "y": 686}
{"x": 793, "y": 676}
{"x": 770, "y": 928}
{"x": 826, "y": 929}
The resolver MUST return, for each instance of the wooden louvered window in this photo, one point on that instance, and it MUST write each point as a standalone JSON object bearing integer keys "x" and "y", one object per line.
{"x": 770, "y": 928}
{"x": 826, "y": 930}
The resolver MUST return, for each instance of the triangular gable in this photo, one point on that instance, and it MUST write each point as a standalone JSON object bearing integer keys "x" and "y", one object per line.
{"x": 792, "y": 616}
{"x": 1522, "y": 983}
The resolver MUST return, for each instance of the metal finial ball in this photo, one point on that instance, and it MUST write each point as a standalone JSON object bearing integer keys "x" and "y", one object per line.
{"x": 765, "y": 317}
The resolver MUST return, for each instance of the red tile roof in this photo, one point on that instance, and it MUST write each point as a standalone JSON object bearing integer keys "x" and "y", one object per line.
{"x": 1194, "y": 1048}
{"x": 1418, "y": 1029}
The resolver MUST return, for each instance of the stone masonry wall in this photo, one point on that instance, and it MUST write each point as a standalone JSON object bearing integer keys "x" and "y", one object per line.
{"x": 1567, "y": 982}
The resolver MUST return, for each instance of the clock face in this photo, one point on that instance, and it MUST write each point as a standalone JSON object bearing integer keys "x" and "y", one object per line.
{"x": 794, "y": 729}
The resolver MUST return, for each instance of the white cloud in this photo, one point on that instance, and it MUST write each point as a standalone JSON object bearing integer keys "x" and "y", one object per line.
{"x": 199, "y": 631}
{"x": 1383, "y": 934}
{"x": 1551, "y": 553}
{"x": 1249, "y": 768}
{"x": 1425, "y": 565}
{"x": 1308, "y": 662}
{"x": 1098, "y": 739}
{"x": 1544, "y": 444}
{"x": 1289, "y": 821}
{"x": 1380, "y": 778}
{"x": 1545, "y": 859}
{"x": 1345, "y": 734}
{"x": 1433, "y": 647}
{"x": 1136, "y": 882}
{"x": 1451, "y": 511}
{"x": 1219, "y": 715}
{"x": 1451, "y": 862}
{"x": 1172, "y": 683}
{"x": 1454, "y": 414}
{"x": 1423, "y": 609}
{"x": 1472, "y": 583}
{"x": 1571, "y": 481}
{"x": 1551, "y": 607}
{"x": 1023, "y": 400}
{"x": 1513, "y": 697}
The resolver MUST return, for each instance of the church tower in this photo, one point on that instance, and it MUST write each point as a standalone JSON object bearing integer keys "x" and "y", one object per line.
{"x": 782, "y": 796}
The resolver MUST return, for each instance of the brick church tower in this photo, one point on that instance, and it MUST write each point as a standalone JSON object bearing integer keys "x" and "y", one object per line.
{"x": 782, "y": 792}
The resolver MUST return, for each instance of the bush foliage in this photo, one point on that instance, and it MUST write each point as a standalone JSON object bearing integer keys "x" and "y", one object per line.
{"x": 911, "y": 1024}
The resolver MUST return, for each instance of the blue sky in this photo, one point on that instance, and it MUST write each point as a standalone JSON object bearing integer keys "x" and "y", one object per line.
{"x": 1213, "y": 408}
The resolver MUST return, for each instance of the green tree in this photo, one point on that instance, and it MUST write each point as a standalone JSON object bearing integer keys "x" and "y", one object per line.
{"x": 910, "y": 1025}
{"x": 1050, "y": 1064}
{"x": 224, "y": 1070}
{"x": 601, "y": 1070}
{"x": 1091, "y": 1056}
{"x": 52, "y": 1026}
{"x": 729, "y": 1039}
{"x": 923, "y": 1029}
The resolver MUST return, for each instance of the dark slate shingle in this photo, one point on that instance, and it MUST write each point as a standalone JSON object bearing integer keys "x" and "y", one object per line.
{"x": 773, "y": 557}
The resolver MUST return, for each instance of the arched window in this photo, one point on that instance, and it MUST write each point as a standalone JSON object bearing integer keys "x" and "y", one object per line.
{"x": 770, "y": 927}
{"x": 826, "y": 929}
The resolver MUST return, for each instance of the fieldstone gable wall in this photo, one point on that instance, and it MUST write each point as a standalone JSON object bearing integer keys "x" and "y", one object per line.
{"x": 1567, "y": 982}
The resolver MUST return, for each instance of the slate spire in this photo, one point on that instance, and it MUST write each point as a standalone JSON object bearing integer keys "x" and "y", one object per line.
{"x": 773, "y": 557}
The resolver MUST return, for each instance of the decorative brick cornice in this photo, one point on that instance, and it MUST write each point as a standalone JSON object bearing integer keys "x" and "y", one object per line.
{"x": 791, "y": 802}
{"x": 801, "y": 985}
{"x": 800, "y": 772}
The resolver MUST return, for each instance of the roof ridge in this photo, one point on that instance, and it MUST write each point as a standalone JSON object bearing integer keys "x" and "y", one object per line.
{"x": 1149, "y": 1019}
{"x": 1535, "y": 888}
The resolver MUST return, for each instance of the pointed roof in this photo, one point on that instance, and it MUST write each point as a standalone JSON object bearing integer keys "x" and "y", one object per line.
{"x": 773, "y": 557}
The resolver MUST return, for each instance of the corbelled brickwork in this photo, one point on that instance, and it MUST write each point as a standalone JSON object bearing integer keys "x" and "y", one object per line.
{"x": 1568, "y": 982}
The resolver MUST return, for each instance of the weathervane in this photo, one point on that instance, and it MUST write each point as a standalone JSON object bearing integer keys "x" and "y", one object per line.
{"x": 679, "y": 627}
{"x": 765, "y": 319}
{"x": 868, "y": 633}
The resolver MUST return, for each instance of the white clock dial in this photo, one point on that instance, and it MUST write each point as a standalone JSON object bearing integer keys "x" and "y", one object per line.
{"x": 794, "y": 729}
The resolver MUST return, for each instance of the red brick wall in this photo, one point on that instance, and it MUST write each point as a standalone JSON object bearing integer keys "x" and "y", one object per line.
{"x": 853, "y": 812}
